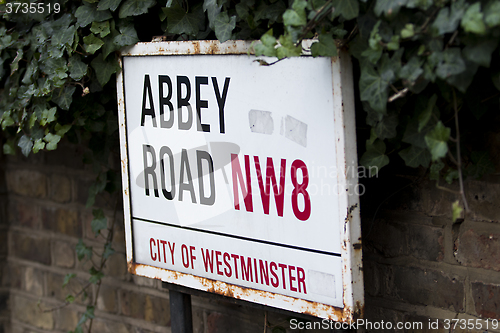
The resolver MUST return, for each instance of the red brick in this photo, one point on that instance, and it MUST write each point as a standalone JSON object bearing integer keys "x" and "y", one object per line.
{"x": 107, "y": 299}
{"x": 30, "y": 248}
{"x": 426, "y": 242}
{"x": 479, "y": 250}
{"x": 28, "y": 183}
{"x": 224, "y": 323}
{"x": 63, "y": 254}
{"x": 482, "y": 198}
{"x": 28, "y": 311}
{"x": 146, "y": 307}
{"x": 486, "y": 299}
{"x": 60, "y": 188}
{"x": 62, "y": 220}
{"x": 116, "y": 266}
{"x": 427, "y": 287}
{"x": 25, "y": 214}
{"x": 388, "y": 239}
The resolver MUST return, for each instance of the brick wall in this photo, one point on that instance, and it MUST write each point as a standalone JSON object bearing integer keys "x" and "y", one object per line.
{"x": 47, "y": 216}
{"x": 418, "y": 264}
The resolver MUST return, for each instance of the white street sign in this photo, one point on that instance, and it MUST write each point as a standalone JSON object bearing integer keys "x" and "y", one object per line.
{"x": 241, "y": 179}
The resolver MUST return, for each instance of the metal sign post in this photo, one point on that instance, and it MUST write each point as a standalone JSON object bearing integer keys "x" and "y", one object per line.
{"x": 241, "y": 179}
{"x": 180, "y": 312}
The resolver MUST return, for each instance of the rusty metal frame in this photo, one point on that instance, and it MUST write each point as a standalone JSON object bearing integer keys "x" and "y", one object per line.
{"x": 345, "y": 146}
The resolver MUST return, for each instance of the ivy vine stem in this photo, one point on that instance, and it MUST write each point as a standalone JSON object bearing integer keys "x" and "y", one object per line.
{"x": 459, "y": 158}
{"x": 109, "y": 240}
{"x": 400, "y": 93}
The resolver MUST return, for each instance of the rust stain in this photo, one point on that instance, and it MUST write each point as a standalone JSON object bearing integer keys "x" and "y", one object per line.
{"x": 213, "y": 48}
{"x": 221, "y": 288}
{"x": 196, "y": 46}
{"x": 359, "y": 310}
{"x": 357, "y": 246}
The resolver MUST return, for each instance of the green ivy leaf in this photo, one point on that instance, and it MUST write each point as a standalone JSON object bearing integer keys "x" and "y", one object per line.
{"x": 412, "y": 70}
{"x": 77, "y": 68}
{"x": 63, "y": 97}
{"x": 104, "y": 68}
{"x": 108, "y": 251}
{"x": 288, "y": 48}
{"x": 108, "y": 4}
{"x": 393, "y": 45}
{"x": 267, "y": 46}
{"x": 452, "y": 63}
{"x": 89, "y": 314}
{"x": 39, "y": 145}
{"x": 437, "y": 141}
{"x": 273, "y": 12}
{"x": 127, "y": 36}
{"x": 48, "y": 116}
{"x": 63, "y": 36}
{"x": 492, "y": 13}
{"x": 32, "y": 120}
{"x": 95, "y": 276}
{"x": 213, "y": 10}
{"x": 99, "y": 222}
{"x": 97, "y": 187}
{"x": 425, "y": 116}
{"x": 374, "y": 157}
{"x": 447, "y": 20}
{"x": 180, "y": 22}
{"x": 109, "y": 44}
{"x": 224, "y": 26}
{"x": 70, "y": 298}
{"x": 415, "y": 137}
{"x": 386, "y": 128}
{"x": 87, "y": 14}
{"x": 479, "y": 51}
{"x": 472, "y": 21}
{"x": 415, "y": 156}
{"x": 436, "y": 167}
{"x": 451, "y": 175}
{"x": 61, "y": 130}
{"x": 100, "y": 28}
{"x": 373, "y": 87}
{"x": 68, "y": 277}
{"x": 408, "y": 31}
{"x": 14, "y": 66}
{"x": 92, "y": 43}
{"x": 388, "y": 7}
{"x": 25, "y": 144}
{"x": 8, "y": 148}
{"x": 348, "y": 9}
{"x": 292, "y": 18}
{"x": 52, "y": 140}
{"x": 456, "y": 211}
{"x": 297, "y": 15}
{"x": 135, "y": 7}
{"x": 83, "y": 250}
{"x": 325, "y": 47}
{"x": 463, "y": 80}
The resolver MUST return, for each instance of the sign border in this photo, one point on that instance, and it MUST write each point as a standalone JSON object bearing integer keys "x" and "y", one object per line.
{"x": 345, "y": 150}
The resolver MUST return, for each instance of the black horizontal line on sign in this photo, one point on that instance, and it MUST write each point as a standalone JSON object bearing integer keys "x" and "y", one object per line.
{"x": 241, "y": 237}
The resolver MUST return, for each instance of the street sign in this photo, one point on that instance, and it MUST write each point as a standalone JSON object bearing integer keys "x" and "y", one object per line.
{"x": 241, "y": 179}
